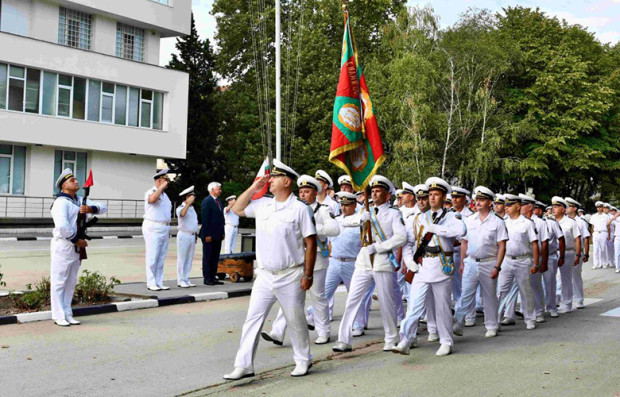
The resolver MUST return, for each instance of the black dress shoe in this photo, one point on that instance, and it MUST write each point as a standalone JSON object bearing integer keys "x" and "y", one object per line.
{"x": 218, "y": 282}
{"x": 209, "y": 283}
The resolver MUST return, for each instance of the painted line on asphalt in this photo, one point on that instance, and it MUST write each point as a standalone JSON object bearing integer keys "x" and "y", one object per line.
{"x": 612, "y": 313}
{"x": 8, "y": 238}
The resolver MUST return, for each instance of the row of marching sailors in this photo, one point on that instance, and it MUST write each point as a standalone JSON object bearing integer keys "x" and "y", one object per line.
{"x": 285, "y": 225}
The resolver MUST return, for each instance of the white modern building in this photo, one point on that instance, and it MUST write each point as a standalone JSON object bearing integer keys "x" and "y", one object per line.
{"x": 80, "y": 87}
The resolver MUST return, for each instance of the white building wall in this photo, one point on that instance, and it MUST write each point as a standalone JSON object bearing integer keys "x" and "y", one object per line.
{"x": 119, "y": 175}
{"x": 40, "y": 171}
{"x": 44, "y": 21}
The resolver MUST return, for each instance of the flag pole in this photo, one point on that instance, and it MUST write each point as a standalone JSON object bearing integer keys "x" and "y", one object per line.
{"x": 278, "y": 87}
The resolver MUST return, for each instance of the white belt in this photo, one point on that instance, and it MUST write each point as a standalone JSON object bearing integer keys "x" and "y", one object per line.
{"x": 158, "y": 222}
{"x": 518, "y": 257}
{"x": 235, "y": 226}
{"x": 187, "y": 231}
{"x": 278, "y": 272}
{"x": 489, "y": 258}
{"x": 344, "y": 259}
{"x": 600, "y": 231}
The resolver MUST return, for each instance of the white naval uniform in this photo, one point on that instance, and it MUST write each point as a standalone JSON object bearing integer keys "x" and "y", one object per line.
{"x": 610, "y": 244}
{"x": 280, "y": 255}
{"x": 616, "y": 237}
{"x": 380, "y": 271}
{"x": 482, "y": 238}
{"x": 332, "y": 204}
{"x": 549, "y": 277}
{"x": 599, "y": 239}
{"x": 571, "y": 232}
{"x": 404, "y": 286}
{"x": 186, "y": 243}
{"x": 456, "y": 280}
{"x": 231, "y": 230}
{"x": 430, "y": 278}
{"x": 318, "y": 316}
{"x": 517, "y": 264}
{"x": 577, "y": 279}
{"x": 156, "y": 232}
{"x": 66, "y": 262}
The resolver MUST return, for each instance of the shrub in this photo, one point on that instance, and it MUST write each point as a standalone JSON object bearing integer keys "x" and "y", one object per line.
{"x": 33, "y": 299}
{"x": 93, "y": 288}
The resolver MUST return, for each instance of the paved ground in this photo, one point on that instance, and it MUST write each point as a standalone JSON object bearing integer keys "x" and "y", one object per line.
{"x": 185, "y": 349}
{"x": 24, "y": 262}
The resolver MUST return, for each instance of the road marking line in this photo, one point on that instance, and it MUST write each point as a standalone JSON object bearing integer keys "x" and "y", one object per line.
{"x": 612, "y": 313}
{"x": 590, "y": 301}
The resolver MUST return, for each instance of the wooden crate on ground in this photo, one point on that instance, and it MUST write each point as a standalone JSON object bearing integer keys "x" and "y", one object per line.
{"x": 237, "y": 266}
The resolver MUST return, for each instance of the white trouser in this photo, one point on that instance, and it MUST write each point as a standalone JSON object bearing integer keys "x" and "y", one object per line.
{"x": 511, "y": 300}
{"x": 361, "y": 318}
{"x": 156, "y": 236}
{"x": 403, "y": 286}
{"x": 478, "y": 274}
{"x": 398, "y": 297}
{"x": 457, "y": 279}
{"x": 186, "y": 245}
{"x": 63, "y": 277}
{"x": 550, "y": 283}
{"x": 617, "y": 252}
{"x": 441, "y": 293}
{"x": 578, "y": 282}
{"x": 564, "y": 281}
{"x": 539, "y": 294}
{"x": 230, "y": 238}
{"x": 610, "y": 251}
{"x": 516, "y": 270}
{"x": 360, "y": 283}
{"x": 320, "y": 309}
{"x": 269, "y": 288}
{"x": 337, "y": 272}
{"x": 599, "y": 246}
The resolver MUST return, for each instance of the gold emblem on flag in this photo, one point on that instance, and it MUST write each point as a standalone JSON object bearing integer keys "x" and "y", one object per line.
{"x": 349, "y": 116}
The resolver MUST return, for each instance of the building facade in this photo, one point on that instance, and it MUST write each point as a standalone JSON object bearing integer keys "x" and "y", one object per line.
{"x": 80, "y": 87}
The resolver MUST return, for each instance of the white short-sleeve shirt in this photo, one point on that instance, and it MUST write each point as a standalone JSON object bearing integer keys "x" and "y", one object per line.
{"x": 189, "y": 222}
{"x": 521, "y": 233}
{"x": 599, "y": 221}
{"x": 161, "y": 210}
{"x": 280, "y": 231}
{"x": 570, "y": 230}
{"x": 483, "y": 235}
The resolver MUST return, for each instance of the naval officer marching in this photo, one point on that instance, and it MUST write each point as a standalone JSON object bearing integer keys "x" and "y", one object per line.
{"x": 285, "y": 270}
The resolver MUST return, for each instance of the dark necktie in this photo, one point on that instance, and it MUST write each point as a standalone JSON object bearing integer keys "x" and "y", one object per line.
{"x": 376, "y": 211}
{"x": 218, "y": 204}
{"x": 434, "y": 216}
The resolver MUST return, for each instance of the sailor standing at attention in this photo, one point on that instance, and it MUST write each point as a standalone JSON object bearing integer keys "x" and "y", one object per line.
{"x": 572, "y": 239}
{"x": 555, "y": 258}
{"x": 459, "y": 200}
{"x": 521, "y": 260}
{"x": 284, "y": 225}
{"x": 65, "y": 245}
{"x": 231, "y": 225}
{"x": 186, "y": 237}
{"x": 326, "y": 226}
{"x": 434, "y": 239}
{"x": 571, "y": 212}
{"x": 156, "y": 230}
{"x": 375, "y": 262}
{"x": 482, "y": 249}
{"x": 602, "y": 231}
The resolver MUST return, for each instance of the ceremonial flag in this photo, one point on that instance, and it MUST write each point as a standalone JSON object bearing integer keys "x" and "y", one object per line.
{"x": 264, "y": 170}
{"x": 89, "y": 180}
{"x": 356, "y": 145}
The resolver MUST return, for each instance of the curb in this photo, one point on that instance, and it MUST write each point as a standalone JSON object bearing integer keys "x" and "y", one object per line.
{"x": 126, "y": 306}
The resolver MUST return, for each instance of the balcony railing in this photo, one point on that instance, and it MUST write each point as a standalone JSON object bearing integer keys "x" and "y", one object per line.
{"x": 39, "y": 207}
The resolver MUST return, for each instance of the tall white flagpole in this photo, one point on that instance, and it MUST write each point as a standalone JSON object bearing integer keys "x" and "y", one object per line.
{"x": 278, "y": 87}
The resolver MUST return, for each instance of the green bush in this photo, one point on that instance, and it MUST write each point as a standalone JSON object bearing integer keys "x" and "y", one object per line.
{"x": 2, "y": 283}
{"x": 93, "y": 288}
{"x": 33, "y": 299}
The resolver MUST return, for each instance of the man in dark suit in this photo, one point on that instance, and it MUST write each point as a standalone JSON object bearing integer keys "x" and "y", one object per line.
{"x": 211, "y": 233}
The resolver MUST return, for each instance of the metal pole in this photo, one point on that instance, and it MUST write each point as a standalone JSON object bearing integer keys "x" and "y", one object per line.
{"x": 278, "y": 88}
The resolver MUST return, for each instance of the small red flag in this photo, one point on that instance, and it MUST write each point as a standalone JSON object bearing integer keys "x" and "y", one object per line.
{"x": 264, "y": 170}
{"x": 89, "y": 181}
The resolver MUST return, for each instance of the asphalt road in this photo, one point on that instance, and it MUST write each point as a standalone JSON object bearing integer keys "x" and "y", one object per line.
{"x": 185, "y": 349}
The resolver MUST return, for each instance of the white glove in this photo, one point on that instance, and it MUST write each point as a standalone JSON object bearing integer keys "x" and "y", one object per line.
{"x": 371, "y": 249}
{"x": 431, "y": 228}
{"x": 365, "y": 216}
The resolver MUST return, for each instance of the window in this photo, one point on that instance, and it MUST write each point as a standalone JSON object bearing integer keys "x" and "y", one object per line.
{"x": 17, "y": 82}
{"x": 161, "y": 1}
{"x": 12, "y": 167}
{"x": 107, "y": 103}
{"x": 32, "y": 90}
{"x": 76, "y": 161}
{"x": 13, "y": 16}
{"x": 129, "y": 42}
{"x": 65, "y": 92}
{"x": 3, "y": 84}
{"x": 145, "y": 108}
{"x": 74, "y": 28}
{"x": 50, "y": 81}
{"x": 61, "y": 95}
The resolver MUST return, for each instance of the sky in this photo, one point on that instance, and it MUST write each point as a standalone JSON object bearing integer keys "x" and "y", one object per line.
{"x": 602, "y": 17}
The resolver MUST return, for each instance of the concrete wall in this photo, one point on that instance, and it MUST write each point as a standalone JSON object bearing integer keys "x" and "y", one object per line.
{"x": 80, "y": 134}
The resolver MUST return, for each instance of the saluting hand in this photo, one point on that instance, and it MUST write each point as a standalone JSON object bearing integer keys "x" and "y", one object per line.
{"x": 85, "y": 209}
{"x": 260, "y": 183}
{"x": 190, "y": 199}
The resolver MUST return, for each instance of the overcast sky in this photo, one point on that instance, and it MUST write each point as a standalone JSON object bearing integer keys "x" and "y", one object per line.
{"x": 601, "y": 17}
